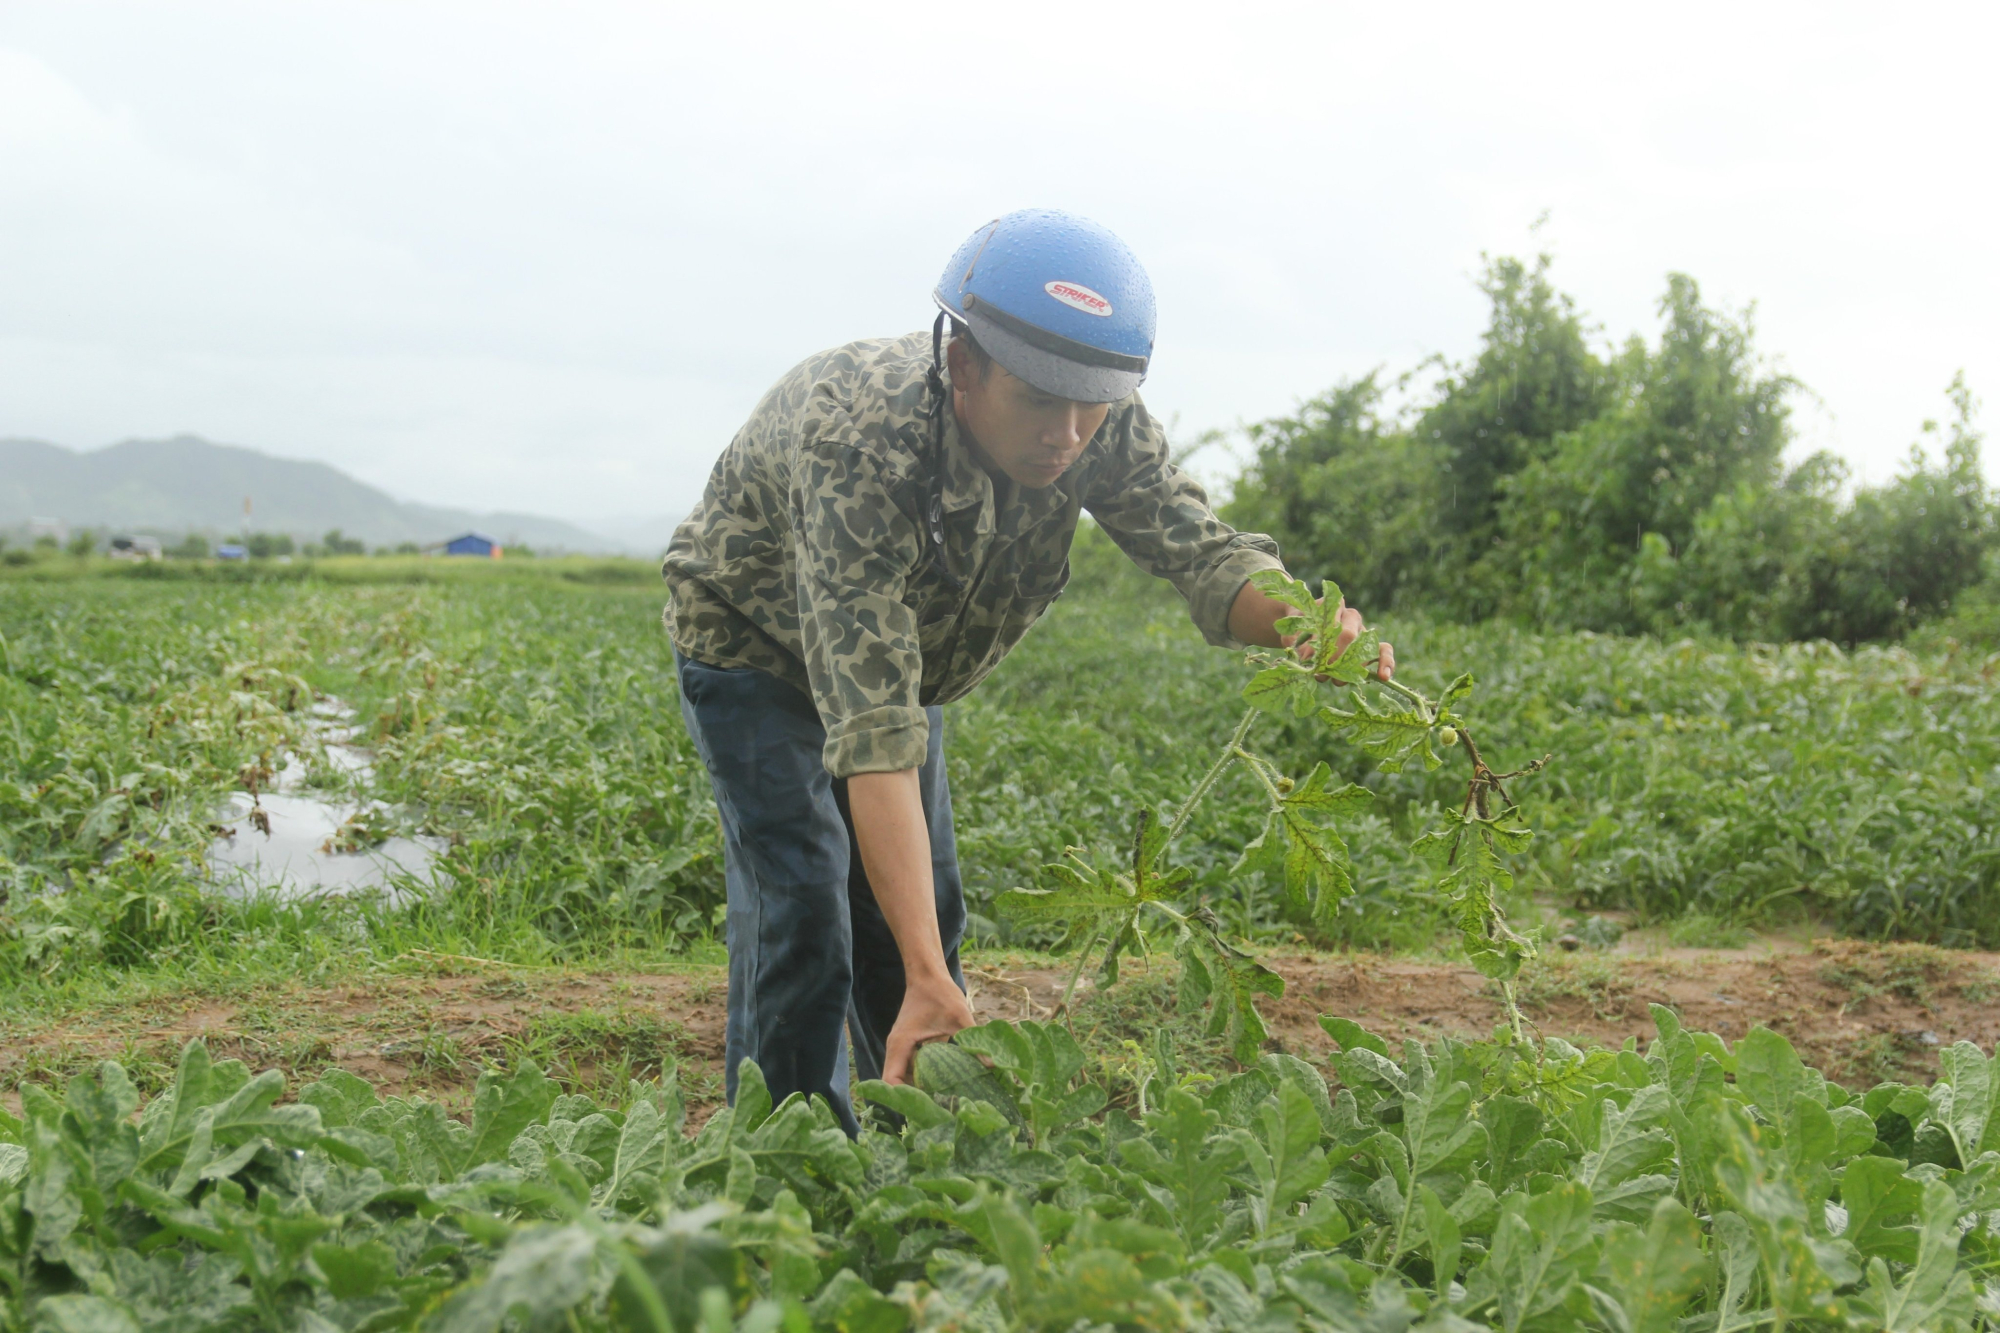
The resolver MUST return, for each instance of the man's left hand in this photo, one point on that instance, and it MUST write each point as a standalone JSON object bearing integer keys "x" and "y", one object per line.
{"x": 1253, "y": 618}
{"x": 1351, "y": 628}
{"x": 932, "y": 1011}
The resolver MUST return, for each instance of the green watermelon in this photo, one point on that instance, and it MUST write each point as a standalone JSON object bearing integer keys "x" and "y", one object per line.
{"x": 947, "y": 1071}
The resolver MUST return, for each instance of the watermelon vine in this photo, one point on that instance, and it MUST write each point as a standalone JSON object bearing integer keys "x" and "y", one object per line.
{"x": 1124, "y": 907}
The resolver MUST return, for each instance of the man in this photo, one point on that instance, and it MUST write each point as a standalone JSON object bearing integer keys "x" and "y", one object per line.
{"x": 886, "y": 526}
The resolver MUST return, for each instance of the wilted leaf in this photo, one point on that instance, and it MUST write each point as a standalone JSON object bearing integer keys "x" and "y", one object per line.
{"x": 502, "y": 1106}
{"x": 1653, "y": 1274}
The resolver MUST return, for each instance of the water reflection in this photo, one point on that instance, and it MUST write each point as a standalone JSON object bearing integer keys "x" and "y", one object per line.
{"x": 313, "y": 840}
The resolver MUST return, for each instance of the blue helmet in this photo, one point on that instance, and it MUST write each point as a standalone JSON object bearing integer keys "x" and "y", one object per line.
{"x": 1058, "y": 300}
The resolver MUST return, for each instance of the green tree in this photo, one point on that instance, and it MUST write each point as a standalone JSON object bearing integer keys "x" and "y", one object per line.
{"x": 264, "y": 545}
{"x": 1791, "y": 561}
{"x": 1691, "y": 421}
{"x": 1349, "y": 494}
{"x": 1903, "y": 552}
{"x": 1741, "y": 573}
{"x": 1406, "y": 512}
{"x": 1642, "y": 491}
{"x": 1534, "y": 380}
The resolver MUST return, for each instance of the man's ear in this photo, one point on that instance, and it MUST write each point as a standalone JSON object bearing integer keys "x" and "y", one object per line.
{"x": 966, "y": 365}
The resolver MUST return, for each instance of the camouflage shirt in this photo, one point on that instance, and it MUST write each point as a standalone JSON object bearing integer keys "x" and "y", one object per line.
{"x": 808, "y": 557}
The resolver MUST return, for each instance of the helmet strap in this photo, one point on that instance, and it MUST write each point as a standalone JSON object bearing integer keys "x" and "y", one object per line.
{"x": 934, "y": 501}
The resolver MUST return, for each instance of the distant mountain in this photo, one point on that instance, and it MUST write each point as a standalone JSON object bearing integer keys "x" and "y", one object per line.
{"x": 644, "y": 534}
{"x": 188, "y": 484}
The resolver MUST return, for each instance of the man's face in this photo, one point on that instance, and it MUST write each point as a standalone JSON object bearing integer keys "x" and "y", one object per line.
{"x": 1016, "y": 429}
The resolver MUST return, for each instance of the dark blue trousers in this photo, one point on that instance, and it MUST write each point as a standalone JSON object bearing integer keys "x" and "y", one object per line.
{"x": 809, "y": 950}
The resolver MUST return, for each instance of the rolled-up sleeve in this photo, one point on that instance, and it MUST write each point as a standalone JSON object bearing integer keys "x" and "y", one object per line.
{"x": 1161, "y": 518}
{"x": 855, "y": 548}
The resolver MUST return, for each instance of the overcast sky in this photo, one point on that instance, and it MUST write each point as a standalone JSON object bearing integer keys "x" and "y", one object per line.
{"x": 545, "y": 257}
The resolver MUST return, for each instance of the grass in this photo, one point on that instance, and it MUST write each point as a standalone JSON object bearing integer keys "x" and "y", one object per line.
{"x": 425, "y": 1024}
{"x": 59, "y": 567}
{"x": 1912, "y": 972}
{"x": 1599, "y": 982}
{"x": 1877, "y": 1058}
{"x": 1704, "y": 930}
{"x": 599, "y": 1052}
{"x": 1124, "y": 1030}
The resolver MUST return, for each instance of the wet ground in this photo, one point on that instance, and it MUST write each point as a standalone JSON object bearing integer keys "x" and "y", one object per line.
{"x": 312, "y": 827}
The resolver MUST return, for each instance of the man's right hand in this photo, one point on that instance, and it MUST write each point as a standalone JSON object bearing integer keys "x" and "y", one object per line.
{"x": 1254, "y": 617}
{"x": 932, "y": 1010}
{"x": 1351, "y": 628}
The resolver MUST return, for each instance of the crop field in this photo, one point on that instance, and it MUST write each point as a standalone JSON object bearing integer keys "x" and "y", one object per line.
{"x": 1581, "y": 982}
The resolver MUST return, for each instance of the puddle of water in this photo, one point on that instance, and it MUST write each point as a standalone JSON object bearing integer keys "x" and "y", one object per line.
{"x": 295, "y": 858}
{"x": 293, "y": 854}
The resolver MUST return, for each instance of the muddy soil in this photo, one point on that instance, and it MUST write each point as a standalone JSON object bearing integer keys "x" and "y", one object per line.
{"x": 1860, "y": 1012}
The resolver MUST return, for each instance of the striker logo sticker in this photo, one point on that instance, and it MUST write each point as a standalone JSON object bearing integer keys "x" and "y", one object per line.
{"x": 1078, "y": 298}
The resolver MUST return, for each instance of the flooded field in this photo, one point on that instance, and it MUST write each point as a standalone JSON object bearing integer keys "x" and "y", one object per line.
{"x": 312, "y": 827}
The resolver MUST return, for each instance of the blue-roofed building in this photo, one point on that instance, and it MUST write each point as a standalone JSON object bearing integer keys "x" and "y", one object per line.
{"x": 232, "y": 551}
{"x": 473, "y": 543}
